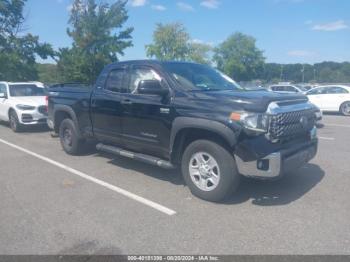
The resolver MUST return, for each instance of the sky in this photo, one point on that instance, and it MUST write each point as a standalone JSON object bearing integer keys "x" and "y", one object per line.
{"x": 288, "y": 31}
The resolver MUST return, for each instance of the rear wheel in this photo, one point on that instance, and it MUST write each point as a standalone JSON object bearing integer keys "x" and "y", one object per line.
{"x": 345, "y": 108}
{"x": 209, "y": 170}
{"x": 15, "y": 125}
{"x": 70, "y": 141}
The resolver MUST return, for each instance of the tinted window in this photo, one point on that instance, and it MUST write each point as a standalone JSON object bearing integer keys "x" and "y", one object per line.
{"x": 138, "y": 75}
{"x": 3, "y": 89}
{"x": 26, "y": 90}
{"x": 195, "y": 77}
{"x": 290, "y": 89}
{"x": 317, "y": 91}
{"x": 336, "y": 90}
{"x": 115, "y": 81}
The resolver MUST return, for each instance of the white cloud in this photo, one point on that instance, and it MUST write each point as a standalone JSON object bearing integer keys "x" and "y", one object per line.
{"x": 301, "y": 53}
{"x": 199, "y": 41}
{"x": 185, "y": 7}
{"x": 211, "y": 4}
{"x": 158, "y": 7}
{"x": 308, "y": 22}
{"x": 332, "y": 26}
{"x": 137, "y": 3}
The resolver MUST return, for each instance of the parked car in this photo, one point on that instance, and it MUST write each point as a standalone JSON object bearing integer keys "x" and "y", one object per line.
{"x": 285, "y": 88}
{"x": 319, "y": 116}
{"x": 332, "y": 98}
{"x": 188, "y": 115}
{"x": 23, "y": 104}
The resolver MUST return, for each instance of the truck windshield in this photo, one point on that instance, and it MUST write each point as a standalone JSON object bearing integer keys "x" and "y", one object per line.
{"x": 195, "y": 77}
{"x": 26, "y": 90}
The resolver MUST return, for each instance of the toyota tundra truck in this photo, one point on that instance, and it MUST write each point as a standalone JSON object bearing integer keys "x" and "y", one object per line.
{"x": 187, "y": 115}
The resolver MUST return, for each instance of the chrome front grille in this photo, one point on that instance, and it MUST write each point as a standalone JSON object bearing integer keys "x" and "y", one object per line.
{"x": 291, "y": 124}
{"x": 290, "y": 121}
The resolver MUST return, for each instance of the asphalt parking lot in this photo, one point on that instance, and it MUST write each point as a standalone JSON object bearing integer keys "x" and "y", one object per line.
{"x": 52, "y": 203}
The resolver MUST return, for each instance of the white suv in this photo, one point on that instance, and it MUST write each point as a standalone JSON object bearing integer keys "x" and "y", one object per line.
{"x": 287, "y": 88}
{"x": 22, "y": 104}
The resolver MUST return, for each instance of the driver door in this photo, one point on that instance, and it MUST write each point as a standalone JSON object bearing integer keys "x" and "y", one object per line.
{"x": 147, "y": 118}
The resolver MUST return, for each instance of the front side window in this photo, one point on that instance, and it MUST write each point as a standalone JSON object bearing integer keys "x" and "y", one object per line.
{"x": 195, "y": 77}
{"x": 3, "y": 89}
{"x": 317, "y": 91}
{"x": 141, "y": 74}
{"x": 26, "y": 90}
{"x": 115, "y": 81}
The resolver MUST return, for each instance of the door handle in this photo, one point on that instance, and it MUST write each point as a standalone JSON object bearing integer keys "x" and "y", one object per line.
{"x": 126, "y": 102}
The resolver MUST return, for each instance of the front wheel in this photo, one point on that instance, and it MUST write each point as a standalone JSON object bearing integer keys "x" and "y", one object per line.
{"x": 69, "y": 139}
{"x": 209, "y": 170}
{"x": 345, "y": 108}
{"x": 15, "y": 125}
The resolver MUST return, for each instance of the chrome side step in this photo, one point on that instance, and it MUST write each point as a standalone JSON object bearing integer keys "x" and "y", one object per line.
{"x": 137, "y": 156}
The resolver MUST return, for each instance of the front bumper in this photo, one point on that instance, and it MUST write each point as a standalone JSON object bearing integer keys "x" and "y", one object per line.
{"x": 31, "y": 118}
{"x": 275, "y": 164}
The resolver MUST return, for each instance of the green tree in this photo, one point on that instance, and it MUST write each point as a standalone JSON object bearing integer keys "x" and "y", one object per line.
{"x": 48, "y": 73}
{"x": 199, "y": 53}
{"x": 18, "y": 51}
{"x": 170, "y": 42}
{"x": 98, "y": 39}
{"x": 173, "y": 42}
{"x": 239, "y": 57}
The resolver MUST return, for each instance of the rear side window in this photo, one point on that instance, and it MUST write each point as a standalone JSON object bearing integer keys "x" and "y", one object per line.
{"x": 290, "y": 89}
{"x": 336, "y": 90}
{"x": 115, "y": 81}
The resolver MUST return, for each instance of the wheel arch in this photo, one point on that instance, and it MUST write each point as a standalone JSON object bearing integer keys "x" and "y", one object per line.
{"x": 187, "y": 129}
{"x": 341, "y": 105}
{"x": 10, "y": 110}
{"x": 62, "y": 112}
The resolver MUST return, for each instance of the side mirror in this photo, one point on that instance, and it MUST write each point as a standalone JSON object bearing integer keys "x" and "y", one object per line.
{"x": 151, "y": 87}
{"x": 3, "y": 95}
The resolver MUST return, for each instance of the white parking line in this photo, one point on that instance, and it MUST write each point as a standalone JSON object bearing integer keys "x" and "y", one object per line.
{"x": 337, "y": 125}
{"x": 326, "y": 138}
{"x": 121, "y": 191}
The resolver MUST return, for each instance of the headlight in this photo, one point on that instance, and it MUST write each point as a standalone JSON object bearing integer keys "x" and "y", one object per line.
{"x": 25, "y": 107}
{"x": 251, "y": 121}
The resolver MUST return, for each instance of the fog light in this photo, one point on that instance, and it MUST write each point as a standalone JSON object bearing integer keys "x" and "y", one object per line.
{"x": 263, "y": 164}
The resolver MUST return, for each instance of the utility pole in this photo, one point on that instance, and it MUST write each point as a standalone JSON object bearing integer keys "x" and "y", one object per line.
{"x": 315, "y": 74}
{"x": 281, "y": 75}
{"x": 303, "y": 73}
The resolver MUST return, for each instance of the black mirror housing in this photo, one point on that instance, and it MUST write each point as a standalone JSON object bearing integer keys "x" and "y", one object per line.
{"x": 151, "y": 87}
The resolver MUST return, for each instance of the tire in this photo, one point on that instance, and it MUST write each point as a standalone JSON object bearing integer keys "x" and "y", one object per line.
{"x": 345, "y": 108}
{"x": 223, "y": 179}
{"x": 15, "y": 125}
{"x": 69, "y": 139}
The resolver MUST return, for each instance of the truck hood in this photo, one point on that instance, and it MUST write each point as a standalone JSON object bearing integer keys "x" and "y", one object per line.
{"x": 28, "y": 100}
{"x": 254, "y": 101}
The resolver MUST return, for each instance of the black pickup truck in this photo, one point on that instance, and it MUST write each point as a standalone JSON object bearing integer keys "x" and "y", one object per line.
{"x": 178, "y": 114}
